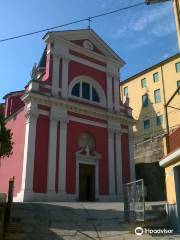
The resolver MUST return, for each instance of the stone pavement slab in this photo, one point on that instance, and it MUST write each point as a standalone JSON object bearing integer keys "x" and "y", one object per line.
{"x": 72, "y": 221}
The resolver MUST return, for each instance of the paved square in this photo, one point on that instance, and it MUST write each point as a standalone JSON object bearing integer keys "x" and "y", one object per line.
{"x": 71, "y": 221}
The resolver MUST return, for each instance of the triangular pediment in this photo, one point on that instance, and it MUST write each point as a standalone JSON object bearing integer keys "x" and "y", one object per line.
{"x": 90, "y": 40}
{"x": 86, "y": 43}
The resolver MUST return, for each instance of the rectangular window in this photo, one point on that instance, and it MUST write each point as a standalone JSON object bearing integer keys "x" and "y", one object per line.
{"x": 156, "y": 77}
{"x": 178, "y": 85}
{"x": 178, "y": 67}
{"x": 159, "y": 120}
{"x": 126, "y": 91}
{"x": 145, "y": 100}
{"x": 147, "y": 124}
{"x": 143, "y": 83}
{"x": 157, "y": 96}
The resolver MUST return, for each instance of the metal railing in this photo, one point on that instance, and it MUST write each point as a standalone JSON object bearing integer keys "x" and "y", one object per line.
{"x": 134, "y": 202}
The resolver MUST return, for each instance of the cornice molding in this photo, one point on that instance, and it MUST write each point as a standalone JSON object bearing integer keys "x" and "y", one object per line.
{"x": 112, "y": 130}
{"x": 76, "y": 107}
{"x": 57, "y": 56}
{"x": 31, "y": 115}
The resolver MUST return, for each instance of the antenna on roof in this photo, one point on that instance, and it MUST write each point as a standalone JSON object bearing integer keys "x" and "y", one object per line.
{"x": 89, "y": 22}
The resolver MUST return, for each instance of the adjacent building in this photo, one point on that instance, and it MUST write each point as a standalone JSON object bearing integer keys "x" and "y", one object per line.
{"x": 72, "y": 135}
{"x": 171, "y": 163}
{"x": 176, "y": 5}
{"x": 147, "y": 92}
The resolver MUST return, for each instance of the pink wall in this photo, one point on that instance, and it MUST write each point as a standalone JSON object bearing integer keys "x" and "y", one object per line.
{"x": 13, "y": 165}
{"x": 41, "y": 155}
{"x": 100, "y": 134}
{"x": 13, "y": 102}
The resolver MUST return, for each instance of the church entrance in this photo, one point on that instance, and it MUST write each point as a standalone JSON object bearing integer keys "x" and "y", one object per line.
{"x": 86, "y": 182}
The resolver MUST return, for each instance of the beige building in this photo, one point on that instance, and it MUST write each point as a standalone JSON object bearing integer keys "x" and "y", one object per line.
{"x": 177, "y": 17}
{"x": 148, "y": 91}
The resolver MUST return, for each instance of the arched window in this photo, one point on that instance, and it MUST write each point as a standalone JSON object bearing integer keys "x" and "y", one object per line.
{"x": 76, "y": 90}
{"x": 86, "y": 91}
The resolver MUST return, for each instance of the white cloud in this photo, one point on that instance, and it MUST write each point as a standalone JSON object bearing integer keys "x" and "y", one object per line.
{"x": 120, "y": 31}
{"x": 145, "y": 24}
{"x": 142, "y": 20}
{"x": 140, "y": 42}
{"x": 103, "y": 5}
{"x": 163, "y": 29}
{"x": 164, "y": 56}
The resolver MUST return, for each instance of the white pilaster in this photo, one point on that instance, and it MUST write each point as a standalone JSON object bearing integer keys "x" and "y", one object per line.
{"x": 116, "y": 94}
{"x": 109, "y": 91}
{"x": 52, "y": 154}
{"x": 55, "y": 74}
{"x": 65, "y": 69}
{"x": 119, "y": 163}
{"x": 113, "y": 73}
{"x": 62, "y": 157}
{"x": 131, "y": 154}
{"x": 29, "y": 153}
{"x": 111, "y": 162}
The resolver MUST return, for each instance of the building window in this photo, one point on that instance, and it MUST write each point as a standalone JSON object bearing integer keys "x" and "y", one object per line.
{"x": 159, "y": 120}
{"x": 156, "y": 77}
{"x": 143, "y": 83}
{"x": 145, "y": 101}
{"x": 178, "y": 67}
{"x": 157, "y": 96}
{"x": 147, "y": 124}
{"x": 86, "y": 91}
{"x": 178, "y": 85}
{"x": 95, "y": 96}
{"x": 126, "y": 91}
{"x": 76, "y": 90}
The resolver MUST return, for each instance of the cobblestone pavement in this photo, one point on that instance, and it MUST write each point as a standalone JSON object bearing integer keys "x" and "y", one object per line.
{"x": 72, "y": 221}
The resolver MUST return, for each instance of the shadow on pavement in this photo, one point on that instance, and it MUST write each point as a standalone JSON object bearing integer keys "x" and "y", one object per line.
{"x": 57, "y": 221}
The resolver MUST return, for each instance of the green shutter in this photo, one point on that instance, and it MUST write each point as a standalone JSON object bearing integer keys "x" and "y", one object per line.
{"x": 178, "y": 67}
{"x": 157, "y": 96}
{"x": 143, "y": 83}
{"x": 126, "y": 91}
{"x": 178, "y": 85}
{"x": 159, "y": 120}
{"x": 156, "y": 77}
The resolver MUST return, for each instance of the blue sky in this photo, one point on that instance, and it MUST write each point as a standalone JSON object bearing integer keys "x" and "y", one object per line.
{"x": 142, "y": 36}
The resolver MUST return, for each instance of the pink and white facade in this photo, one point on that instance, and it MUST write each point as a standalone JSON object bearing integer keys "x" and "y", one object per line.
{"x": 72, "y": 135}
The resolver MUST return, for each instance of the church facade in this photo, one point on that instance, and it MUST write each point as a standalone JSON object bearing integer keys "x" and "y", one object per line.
{"x": 72, "y": 134}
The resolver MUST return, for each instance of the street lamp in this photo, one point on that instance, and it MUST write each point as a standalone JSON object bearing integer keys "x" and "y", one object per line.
{"x": 176, "y": 4}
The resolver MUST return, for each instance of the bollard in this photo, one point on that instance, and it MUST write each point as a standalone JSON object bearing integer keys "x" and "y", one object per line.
{"x": 10, "y": 200}
{"x": 2, "y": 216}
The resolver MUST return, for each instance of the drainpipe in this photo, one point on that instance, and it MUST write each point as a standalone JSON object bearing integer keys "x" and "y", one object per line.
{"x": 166, "y": 115}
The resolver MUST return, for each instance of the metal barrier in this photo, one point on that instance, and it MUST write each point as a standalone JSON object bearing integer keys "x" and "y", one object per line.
{"x": 134, "y": 203}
